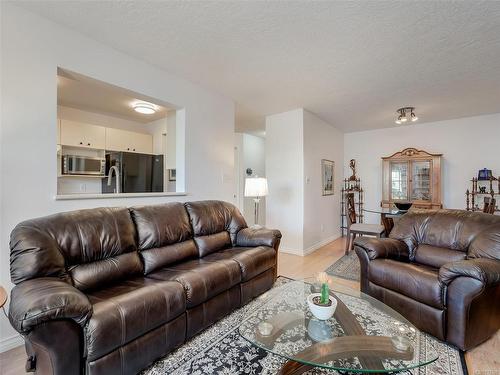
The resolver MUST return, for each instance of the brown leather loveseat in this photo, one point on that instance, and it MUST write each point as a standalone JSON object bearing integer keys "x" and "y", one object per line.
{"x": 441, "y": 270}
{"x": 109, "y": 290}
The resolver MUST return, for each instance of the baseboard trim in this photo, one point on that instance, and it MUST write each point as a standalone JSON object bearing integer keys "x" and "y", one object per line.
{"x": 310, "y": 249}
{"x": 11, "y": 342}
{"x": 290, "y": 251}
{"x": 317, "y": 245}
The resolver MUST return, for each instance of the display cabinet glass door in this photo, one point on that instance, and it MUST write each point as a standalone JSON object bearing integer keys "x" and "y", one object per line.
{"x": 421, "y": 180}
{"x": 399, "y": 181}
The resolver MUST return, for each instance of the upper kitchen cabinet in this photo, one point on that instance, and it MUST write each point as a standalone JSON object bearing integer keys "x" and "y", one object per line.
{"x": 82, "y": 135}
{"x": 123, "y": 140}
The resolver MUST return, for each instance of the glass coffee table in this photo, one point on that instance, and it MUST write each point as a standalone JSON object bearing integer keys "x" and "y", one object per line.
{"x": 363, "y": 336}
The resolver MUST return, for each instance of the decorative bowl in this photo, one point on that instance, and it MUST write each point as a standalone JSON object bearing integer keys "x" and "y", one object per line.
{"x": 321, "y": 312}
{"x": 403, "y": 206}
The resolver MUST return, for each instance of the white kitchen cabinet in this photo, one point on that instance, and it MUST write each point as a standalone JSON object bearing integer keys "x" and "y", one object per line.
{"x": 124, "y": 140}
{"x": 82, "y": 135}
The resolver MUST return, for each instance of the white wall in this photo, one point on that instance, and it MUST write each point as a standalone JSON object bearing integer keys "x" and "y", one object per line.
{"x": 284, "y": 172}
{"x": 171, "y": 140}
{"x": 321, "y": 213}
{"x": 467, "y": 145}
{"x": 253, "y": 156}
{"x": 32, "y": 49}
{"x": 296, "y": 141}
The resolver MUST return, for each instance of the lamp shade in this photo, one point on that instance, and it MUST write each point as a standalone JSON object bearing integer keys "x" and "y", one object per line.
{"x": 256, "y": 187}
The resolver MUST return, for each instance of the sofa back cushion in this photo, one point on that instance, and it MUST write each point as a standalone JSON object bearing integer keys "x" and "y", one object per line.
{"x": 87, "y": 247}
{"x": 450, "y": 229}
{"x": 487, "y": 243}
{"x": 215, "y": 225}
{"x": 437, "y": 256}
{"x": 164, "y": 235}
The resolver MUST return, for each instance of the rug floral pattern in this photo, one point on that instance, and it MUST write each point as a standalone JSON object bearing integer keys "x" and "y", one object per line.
{"x": 221, "y": 350}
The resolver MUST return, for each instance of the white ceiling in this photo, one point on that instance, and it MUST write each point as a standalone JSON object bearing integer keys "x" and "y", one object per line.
{"x": 351, "y": 63}
{"x": 77, "y": 91}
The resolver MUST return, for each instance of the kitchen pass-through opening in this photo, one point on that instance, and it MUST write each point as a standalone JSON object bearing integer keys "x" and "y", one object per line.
{"x": 115, "y": 142}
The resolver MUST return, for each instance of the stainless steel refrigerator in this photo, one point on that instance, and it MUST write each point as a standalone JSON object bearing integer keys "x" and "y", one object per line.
{"x": 138, "y": 173}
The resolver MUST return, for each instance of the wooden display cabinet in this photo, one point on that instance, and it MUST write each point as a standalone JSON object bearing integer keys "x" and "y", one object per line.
{"x": 412, "y": 175}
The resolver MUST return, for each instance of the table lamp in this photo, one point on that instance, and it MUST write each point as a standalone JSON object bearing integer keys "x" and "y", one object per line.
{"x": 256, "y": 187}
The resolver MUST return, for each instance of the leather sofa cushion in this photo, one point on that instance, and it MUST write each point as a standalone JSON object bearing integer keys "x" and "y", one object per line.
{"x": 163, "y": 234}
{"x": 487, "y": 243}
{"x": 212, "y": 242}
{"x": 211, "y": 217}
{"x": 128, "y": 310}
{"x": 252, "y": 260}
{"x": 132, "y": 358}
{"x": 437, "y": 256}
{"x": 49, "y": 245}
{"x": 416, "y": 281}
{"x": 88, "y": 276}
{"x": 423, "y": 316}
{"x": 201, "y": 279}
{"x": 159, "y": 257}
{"x": 453, "y": 229}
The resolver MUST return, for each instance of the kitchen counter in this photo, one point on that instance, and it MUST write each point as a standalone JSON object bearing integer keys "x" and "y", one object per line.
{"x": 114, "y": 195}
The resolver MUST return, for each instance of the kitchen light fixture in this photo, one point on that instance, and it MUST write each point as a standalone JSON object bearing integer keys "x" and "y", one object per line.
{"x": 145, "y": 108}
{"x": 406, "y": 114}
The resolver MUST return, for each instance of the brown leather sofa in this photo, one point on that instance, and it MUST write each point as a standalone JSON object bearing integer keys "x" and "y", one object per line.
{"x": 441, "y": 270}
{"x": 110, "y": 290}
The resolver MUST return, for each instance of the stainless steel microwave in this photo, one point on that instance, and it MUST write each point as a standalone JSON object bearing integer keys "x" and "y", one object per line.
{"x": 83, "y": 165}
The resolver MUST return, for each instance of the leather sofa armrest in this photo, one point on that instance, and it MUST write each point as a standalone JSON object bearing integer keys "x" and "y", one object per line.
{"x": 258, "y": 237}
{"x": 484, "y": 270}
{"x": 40, "y": 300}
{"x": 382, "y": 247}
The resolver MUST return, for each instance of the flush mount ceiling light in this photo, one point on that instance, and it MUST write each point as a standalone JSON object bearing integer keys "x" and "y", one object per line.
{"x": 145, "y": 108}
{"x": 405, "y": 115}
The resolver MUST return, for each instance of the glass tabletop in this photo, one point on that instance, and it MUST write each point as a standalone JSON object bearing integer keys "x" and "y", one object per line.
{"x": 363, "y": 335}
{"x": 385, "y": 211}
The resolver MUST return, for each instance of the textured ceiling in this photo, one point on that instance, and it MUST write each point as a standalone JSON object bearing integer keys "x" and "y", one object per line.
{"x": 351, "y": 63}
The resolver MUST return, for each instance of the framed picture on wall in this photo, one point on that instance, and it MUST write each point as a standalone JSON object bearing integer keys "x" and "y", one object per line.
{"x": 327, "y": 173}
{"x": 172, "y": 175}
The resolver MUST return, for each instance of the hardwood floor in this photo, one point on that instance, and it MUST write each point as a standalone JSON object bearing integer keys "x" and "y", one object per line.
{"x": 12, "y": 362}
{"x": 483, "y": 360}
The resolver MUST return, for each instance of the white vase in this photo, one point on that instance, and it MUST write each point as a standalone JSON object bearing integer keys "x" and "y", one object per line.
{"x": 321, "y": 312}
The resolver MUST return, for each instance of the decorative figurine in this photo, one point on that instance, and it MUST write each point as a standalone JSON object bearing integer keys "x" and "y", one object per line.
{"x": 352, "y": 165}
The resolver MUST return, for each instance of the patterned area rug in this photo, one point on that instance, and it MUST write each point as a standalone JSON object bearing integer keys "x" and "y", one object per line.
{"x": 346, "y": 267}
{"x": 221, "y": 350}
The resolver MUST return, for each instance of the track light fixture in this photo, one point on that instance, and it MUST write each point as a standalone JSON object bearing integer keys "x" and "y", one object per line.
{"x": 405, "y": 115}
